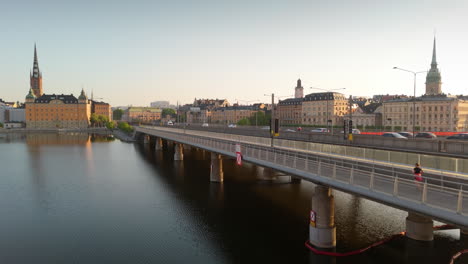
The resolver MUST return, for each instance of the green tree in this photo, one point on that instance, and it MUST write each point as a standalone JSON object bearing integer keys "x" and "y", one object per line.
{"x": 125, "y": 127}
{"x": 260, "y": 119}
{"x": 1, "y": 124}
{"x": 244, "y": 122}
{"x": 110, "y": 125}
{"x": 117, "y": 114}
{"x": 168, "y": 111}
{"x": 93, "y": 119}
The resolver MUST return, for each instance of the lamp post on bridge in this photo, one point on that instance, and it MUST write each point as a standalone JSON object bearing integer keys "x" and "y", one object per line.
{"x": 414, "y": 90}
{"x": 328, "y": 99}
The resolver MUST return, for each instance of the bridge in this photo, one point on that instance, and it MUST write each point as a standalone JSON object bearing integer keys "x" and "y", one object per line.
{"x": 369, "y": 173}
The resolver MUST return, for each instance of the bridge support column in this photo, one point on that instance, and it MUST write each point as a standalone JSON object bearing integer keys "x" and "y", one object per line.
{"x": 419, "y": 227}
{"x": 216, "y": 171}
{"x": 295, "y": 179}
{"x": 178, "y": 151}
{"x": 146, "y": 139}
{"x": 159, "y": 144}
{"x": 322, "y": 232}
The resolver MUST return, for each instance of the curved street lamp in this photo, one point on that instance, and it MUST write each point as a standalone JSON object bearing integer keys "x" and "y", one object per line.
{"x": 414, "y": 88}
{"x": 328, "y": 98}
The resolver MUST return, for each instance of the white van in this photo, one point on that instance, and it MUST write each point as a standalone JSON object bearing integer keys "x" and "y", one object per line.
{"x": 169, "y": 123}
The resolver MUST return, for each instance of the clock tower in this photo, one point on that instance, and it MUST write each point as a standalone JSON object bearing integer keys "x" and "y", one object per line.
{"x": 35, "y": 77}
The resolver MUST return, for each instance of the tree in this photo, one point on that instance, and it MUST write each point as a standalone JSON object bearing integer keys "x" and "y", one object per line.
{"x": 244, "y": 122}
{"x": 125, "y": 127}
{"x": 1, "y": 124}
{"x": 260, "y": 119}
{"x": 110, "y": 125}
{"x": 117, "y": 114}
{"x": 93, "y": 119}
{"x": 168, "y": 111}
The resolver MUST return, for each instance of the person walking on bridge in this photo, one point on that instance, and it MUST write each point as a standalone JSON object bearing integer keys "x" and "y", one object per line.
{"x": 418, "y": 174}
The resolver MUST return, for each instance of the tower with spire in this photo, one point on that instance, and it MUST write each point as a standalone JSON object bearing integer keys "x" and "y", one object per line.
{"x": 299, "y": 90}
{"x": 433, "y": 78}
{"x": 35, "y": 77}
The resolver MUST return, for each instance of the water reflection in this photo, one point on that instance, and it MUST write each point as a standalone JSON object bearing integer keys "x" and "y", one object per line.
{"x": 95, "y": 202}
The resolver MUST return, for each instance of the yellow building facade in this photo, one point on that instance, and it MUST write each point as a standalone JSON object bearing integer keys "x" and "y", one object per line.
{"x": 57, "y": 111}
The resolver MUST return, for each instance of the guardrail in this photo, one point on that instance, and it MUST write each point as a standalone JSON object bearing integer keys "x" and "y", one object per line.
{"x": 442, "y": 164}
{"x": 441, "y": 146}
{"x": 441, "y": 197}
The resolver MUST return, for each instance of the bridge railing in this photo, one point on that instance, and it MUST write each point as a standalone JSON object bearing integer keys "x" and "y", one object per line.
{"x": 442, "y": 164}
{"x": 447, "y": 193}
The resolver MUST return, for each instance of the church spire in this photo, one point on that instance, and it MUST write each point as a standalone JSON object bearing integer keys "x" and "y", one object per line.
{"x": 36, "y": 76}
{"x": 434, "y": 61}
{"x": 433, "y": 78}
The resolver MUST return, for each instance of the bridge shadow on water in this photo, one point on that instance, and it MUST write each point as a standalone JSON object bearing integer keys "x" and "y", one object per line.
{"x": 256, "y": 220}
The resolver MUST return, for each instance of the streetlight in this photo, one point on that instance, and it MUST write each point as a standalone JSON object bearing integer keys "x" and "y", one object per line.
{"x": 272, "y": 123}
{"x": 328, "y": 98}
{"x": 414, "y": 97}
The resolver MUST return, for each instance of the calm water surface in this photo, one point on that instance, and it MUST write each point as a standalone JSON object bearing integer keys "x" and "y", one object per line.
{"x": 77, "y": 198}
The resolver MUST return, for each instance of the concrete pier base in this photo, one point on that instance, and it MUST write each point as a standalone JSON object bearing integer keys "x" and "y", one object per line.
{"x": 159, "y": 144}
{"x": 295, "y": 179}
{"x": 146, "y": 139}
{"x": 322, "y": 232}
{"x": 216, "y": 171}
{"x": 419, "y": 227}
{"x": 178, "y": 151}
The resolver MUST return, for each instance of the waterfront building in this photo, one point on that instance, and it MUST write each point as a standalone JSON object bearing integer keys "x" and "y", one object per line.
{"x": 201, "y": 109}
{"x": 57, "y": 111}
{"x": 368, "y": 115}
{"x": 318, "y": 107}
{"x": 289, "y": 111}
{"x": 101, "y": 108}
{"x": 233, "y": 114}
{"x": 161, "y": 104}
{"x": 141, "y": 113}
{"x": 433, "y": 111}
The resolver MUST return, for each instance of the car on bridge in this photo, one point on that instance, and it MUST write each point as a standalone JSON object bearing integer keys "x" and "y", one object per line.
{"x": 354, "y": 131}
{"x": 205, "y": 125}
{"x": 232, "y": 125}
{"x": 393, "y": 135}
{"x": 425, "y": 135}
{"x": 460, "y": 136}
{"x": 290, "y": 130}
{"x": 406, "y": 134}
{"x": 320, "y": 130}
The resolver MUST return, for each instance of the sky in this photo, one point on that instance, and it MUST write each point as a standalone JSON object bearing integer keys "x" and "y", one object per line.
{"x": 139, "y": 51}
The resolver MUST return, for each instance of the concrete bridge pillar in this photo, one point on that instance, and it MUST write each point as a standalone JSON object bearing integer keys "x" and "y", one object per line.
{"x": 419, "y": 227}
{"x": 322, "y": 229}
{"x": 295, "y": 179}
{"x": 159, "y": 144}
{"x": 178, "y": 151}
{"x": 146, "y": 139}
{"x": 216, "y": 171}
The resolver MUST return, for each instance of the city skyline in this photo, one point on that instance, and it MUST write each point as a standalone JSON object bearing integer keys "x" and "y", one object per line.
{"x": 133, "y": 54}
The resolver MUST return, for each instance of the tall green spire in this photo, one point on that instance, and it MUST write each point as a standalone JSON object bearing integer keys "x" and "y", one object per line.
{"x": 434, "y": 61}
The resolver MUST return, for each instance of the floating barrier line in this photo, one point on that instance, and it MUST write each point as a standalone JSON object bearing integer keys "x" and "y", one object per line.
{"x": 378, "y": 243}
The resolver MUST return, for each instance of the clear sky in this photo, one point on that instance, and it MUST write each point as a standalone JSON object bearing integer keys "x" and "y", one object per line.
{"x": 135, "y": 52}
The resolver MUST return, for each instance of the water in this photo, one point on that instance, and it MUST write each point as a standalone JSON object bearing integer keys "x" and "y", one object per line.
{"x": 73, "y": 198}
